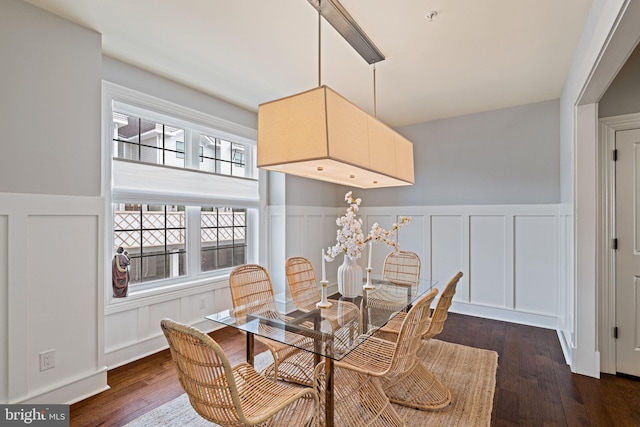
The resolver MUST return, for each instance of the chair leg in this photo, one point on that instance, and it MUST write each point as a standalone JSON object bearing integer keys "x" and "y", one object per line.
{"x": 418, "y": 388}
{"x": 359, "y": 400}
{"x": 296, "y": 368}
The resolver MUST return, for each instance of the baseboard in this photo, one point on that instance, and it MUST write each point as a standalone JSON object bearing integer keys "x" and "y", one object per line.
{"x": 505, "y": 315}
{"x": 72, "y": 392}
{"x": 566, "y": 348}
{"x": 149, "y": 346}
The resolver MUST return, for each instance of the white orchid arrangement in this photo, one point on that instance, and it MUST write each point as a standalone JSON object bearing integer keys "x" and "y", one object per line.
{"x": 351, "y": 239}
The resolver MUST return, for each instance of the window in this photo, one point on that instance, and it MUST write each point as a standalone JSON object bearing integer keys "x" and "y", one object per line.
{"x": 148, "y": 141}
{"x": 184, "y": 194}
{"x": 154, "y": 238}
{"x": 222, "y": 157}
{"x": 222, "y": 238}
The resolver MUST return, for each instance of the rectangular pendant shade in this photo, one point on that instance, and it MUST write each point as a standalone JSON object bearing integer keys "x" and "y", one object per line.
{"x": 319, "y": 134}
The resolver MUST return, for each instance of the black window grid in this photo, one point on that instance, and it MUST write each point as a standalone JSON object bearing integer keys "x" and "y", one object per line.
{"x": 165, "y": 254}
{"x": 237, "y": 249}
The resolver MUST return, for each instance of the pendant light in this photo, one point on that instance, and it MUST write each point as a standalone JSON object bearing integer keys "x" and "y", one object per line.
{"x": 321, "y": 135}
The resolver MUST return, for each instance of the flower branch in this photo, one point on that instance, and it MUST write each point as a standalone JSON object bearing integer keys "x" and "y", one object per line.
{"x": 350, "y": 237}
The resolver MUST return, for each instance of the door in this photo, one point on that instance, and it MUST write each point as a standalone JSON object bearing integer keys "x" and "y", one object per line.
{"x": 628, "y": 253}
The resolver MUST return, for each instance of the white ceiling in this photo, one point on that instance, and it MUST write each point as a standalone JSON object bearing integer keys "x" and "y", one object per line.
{"x": 476, "y": 55}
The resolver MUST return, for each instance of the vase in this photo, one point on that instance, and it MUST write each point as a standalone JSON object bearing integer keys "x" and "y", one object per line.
{"x": 350, "y": 278}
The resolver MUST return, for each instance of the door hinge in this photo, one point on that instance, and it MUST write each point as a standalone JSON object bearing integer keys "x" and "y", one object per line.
{"x": 615, "y": 155}
{"x": 614, "y": 244}
{"x": 615, "y": 332}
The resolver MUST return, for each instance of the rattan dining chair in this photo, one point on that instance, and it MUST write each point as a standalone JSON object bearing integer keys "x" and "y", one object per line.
{"x": 401, "y": 268}
{"x": 238, "y": 395}
{"x": 342, "y": 318}
{"x": 436, "y": 322}
{"x": 252, "y": 293}
{"x": 363, "y": 378}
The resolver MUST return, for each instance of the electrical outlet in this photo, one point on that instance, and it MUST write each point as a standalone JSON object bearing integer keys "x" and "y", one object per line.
{"x": 203, "y": 303}
{"x": 47, "y": 360}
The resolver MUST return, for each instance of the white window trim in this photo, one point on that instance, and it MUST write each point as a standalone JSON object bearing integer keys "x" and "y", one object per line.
{"x": 166, "y": 111}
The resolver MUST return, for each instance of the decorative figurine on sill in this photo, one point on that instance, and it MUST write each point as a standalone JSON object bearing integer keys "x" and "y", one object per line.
{"x": 120, "y": 273}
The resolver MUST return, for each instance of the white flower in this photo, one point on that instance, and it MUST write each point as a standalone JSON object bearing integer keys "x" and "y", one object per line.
{"x": 350, "y": 238}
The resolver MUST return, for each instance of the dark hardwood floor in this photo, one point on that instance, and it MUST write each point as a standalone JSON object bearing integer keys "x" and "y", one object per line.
{"x": 534, "y": 386}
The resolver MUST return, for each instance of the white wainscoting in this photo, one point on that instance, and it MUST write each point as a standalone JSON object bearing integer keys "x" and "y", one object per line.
{"x": 51, "y": 284}
{"x": 568, "y": 291}
{"x": 132, "y": 324}
{"x": 511, "y": 255}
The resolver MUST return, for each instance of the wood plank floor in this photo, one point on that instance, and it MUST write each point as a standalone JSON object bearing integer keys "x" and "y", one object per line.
{"x": 534, "y": 386}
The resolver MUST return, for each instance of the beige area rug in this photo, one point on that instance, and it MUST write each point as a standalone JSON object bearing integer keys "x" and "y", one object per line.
{"x": 470, "y": 374}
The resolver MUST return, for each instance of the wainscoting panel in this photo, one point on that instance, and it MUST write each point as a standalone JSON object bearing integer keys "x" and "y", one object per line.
{"x": 132, "y": 324}
{"x": 296, "y": 241}
{"x": 487, "y": 281}
{"x": 51, "y": 281}
{"x": 535, "y": 264}
{"x": 379, "y": 250}
{"x": 510, "y": 254}
{"x": 411, "y": 237}
{"x": 72, "y": 239}
{"x": 121, "y": 328}
{"x": 277, "y": 252}
{"x": 315, "y": 237}
{"x": 446, "y": 253}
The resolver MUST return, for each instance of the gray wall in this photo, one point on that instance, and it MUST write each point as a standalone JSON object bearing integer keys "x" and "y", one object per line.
{"x": 623, "y": 96}
{"x": 50, "y": 109}
{"x": 507, "y": 156}
{"x": 131, "y": 77}
{"x": 308, "y": 192}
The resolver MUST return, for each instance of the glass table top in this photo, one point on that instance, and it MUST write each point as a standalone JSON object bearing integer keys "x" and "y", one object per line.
{"x": 332, "y": 331}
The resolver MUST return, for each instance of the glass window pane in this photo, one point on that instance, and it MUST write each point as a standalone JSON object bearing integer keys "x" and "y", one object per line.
{"x": 222, "y": 234}
{"x": 239, "y": 255}
{"x": 153, "y": 240}
{"x": 207, "y": 165}
{"x": 153, "y": 268}
{"x": 238, "y": 160}
{"x": 208, "y": 259}
{"x": 127, "y": 127}
{"x": 225, "y": 258}
{"x": 134, "y": 269}
{"x": 126, "y": 219}
{"x": 153, "y": 217}
{"x": 225, "y": 236}
{"x": 207, "y": 146}
{"x": 150, "y": 155}
{"x": 225, "y": 150}
{"x": 128, "y": 240}
{"x": 174, "y": 146}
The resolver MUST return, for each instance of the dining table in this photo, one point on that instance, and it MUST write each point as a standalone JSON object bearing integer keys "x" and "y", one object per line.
{"x": 335, "y": 330}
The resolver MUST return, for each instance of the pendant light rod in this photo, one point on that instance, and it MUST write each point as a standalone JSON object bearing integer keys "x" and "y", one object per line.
{"x": 374, "y": 91}
{"x": 319, "y": 43}
{"x": 348, "y": 28}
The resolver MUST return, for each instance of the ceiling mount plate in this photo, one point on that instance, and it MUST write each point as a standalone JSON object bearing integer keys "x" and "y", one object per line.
{"x": 348, "y": 28}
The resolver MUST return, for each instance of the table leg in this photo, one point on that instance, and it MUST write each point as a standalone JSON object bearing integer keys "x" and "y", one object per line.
{"x": 328, "y": 397}
{"x": 364, "y": 310}
{"x": 249, "y": 348}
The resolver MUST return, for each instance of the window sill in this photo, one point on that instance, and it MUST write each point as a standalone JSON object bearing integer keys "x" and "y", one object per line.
{"x": 146, "y": 297}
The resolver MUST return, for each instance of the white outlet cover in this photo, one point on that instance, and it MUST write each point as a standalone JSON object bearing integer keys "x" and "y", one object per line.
{"x": 47, "y": 360}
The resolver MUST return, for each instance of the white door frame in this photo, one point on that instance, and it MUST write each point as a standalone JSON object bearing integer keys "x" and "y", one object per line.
{"x": 606, "y": 256}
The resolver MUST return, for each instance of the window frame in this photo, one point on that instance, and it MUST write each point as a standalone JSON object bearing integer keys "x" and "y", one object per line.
{"x": 117, "y": 98}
